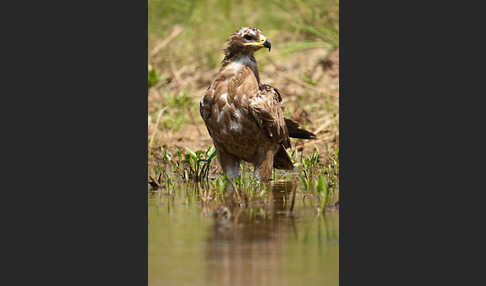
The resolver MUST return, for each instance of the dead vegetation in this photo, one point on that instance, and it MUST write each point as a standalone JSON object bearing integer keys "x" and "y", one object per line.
{"x": 184, "y": 56}
{"x": 308, "y": 81}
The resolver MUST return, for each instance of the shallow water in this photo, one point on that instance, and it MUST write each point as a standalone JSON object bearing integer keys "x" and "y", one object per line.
{"x": 263, "y": 244}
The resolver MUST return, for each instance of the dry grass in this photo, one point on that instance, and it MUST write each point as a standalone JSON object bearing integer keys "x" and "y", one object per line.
{"x": 310, "y": 92}
{"x": 185, "y": 48}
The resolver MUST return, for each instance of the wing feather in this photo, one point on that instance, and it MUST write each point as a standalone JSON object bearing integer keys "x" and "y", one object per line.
{"x": 266, "y": 110}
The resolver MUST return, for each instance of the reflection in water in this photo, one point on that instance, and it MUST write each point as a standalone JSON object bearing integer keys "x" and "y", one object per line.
{"x": 264, "y": 244}
{"x": 249, "y": 247}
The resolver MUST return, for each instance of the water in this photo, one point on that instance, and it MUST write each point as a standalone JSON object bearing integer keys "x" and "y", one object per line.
{"x": 264, "y": 244}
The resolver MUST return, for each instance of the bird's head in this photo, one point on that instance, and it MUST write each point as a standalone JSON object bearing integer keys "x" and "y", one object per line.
{"x": 246, "y": 41}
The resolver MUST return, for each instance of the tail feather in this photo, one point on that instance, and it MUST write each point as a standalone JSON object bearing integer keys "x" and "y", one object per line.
{"x": 295, "y": 131}
{"x": 282, "y": 161}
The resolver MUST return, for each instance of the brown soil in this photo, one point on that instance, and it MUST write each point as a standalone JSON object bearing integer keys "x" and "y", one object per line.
{"x": 307, "y": 80}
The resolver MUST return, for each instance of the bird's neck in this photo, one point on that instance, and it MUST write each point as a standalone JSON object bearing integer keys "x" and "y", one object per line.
{"x": 242, "y": 59}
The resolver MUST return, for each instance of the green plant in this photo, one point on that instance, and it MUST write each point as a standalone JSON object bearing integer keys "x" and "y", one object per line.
{"x": 198, "y": 166}
{"x": 153, "y": 76}
{"x": 322, "y": 189}
{"x": 310, "y": 165}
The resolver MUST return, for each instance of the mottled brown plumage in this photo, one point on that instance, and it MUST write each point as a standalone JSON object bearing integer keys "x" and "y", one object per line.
{"x": 244, "y": 117}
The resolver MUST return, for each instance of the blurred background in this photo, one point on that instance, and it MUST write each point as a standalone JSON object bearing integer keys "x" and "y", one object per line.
{"x": 186, "y": 42}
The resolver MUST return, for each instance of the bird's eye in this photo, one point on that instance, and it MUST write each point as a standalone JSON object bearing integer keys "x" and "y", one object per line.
{"x": 247, "y": 37}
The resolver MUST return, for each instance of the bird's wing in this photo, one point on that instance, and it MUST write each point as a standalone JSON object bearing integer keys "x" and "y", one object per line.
{"x": 265, "y": 108}
{"x": 204, "y": 107}
{"x": 293, "y": 128}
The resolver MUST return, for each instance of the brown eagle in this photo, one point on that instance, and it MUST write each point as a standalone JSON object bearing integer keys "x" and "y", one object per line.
{"x": 244, "y": 117}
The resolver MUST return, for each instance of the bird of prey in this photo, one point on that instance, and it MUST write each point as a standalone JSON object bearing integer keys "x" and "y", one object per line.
{"x": 244, "y": 117}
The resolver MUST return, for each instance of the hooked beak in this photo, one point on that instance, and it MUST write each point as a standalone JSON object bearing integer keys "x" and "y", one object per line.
{"x": 263, "y": 42}
{"x": 268, "y": 45}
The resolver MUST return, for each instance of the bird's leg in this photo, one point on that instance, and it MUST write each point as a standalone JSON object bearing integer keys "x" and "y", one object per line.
{"x": 264, "y": 164}
{"x": 229, "y": 163}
